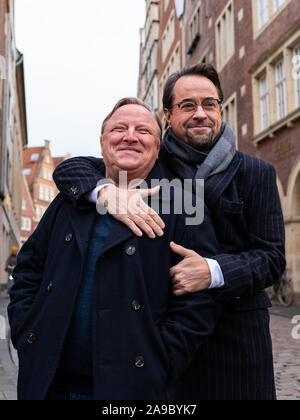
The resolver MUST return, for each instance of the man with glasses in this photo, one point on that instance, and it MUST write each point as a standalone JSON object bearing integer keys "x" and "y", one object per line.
{"x": 236, "y": 363}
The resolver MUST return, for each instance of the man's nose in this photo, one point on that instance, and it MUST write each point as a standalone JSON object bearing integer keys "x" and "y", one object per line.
{"x": 199, "y": 113}
{"x": 130, "y": 135}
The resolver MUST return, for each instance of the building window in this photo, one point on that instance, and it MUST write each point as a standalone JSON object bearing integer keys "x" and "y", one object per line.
{"x": 148, "y": 70}
{"x": 27, "y": 171}
{"x": 296, "y": 74}
{"x": 195, "y": 24}
{"x": 264, "y": 102}
{"x": 168, "y": 36}
{"x": 2, "y": 68}
{"x": 194, "y": 32}
{"x": 52, "y": 195}
{"x": 11, "y": 110}
{"x": 280, "y": 87}
{"x": 177, "y": 59}
{"x": 23, "y": 204}
{"x": 26, "y": 224}
{"x": 229, "y": 114}
{"x": 34, "y": 156}
{"x": 47, "y": 197}
{"x": 41, "y": 192}
{"x": 263, "y": 12}
{"x": 225, "y": 36}
{"x": 38, "y": 213}
{"x": 277, "y": 4}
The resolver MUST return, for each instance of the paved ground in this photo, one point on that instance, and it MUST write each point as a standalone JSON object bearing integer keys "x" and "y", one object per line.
{"x": 286, "y": 347}
{"x": 8, "y": 358}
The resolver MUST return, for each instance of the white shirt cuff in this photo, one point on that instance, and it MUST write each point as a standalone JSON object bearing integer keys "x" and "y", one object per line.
{"x": 92, "y": 196}
{"x": 217, "y": 279}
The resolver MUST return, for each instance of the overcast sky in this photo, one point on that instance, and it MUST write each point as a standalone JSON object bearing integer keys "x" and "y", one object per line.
{"x": 80, "y": 56}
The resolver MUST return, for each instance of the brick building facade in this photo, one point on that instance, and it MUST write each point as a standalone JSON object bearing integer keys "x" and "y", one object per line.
{"x": 149, "y": 54}
{"x": 28, "y": 212}
{"x": 39, "y": 189}
{"x": 13, "y": 134}
{"x": 170, "y": 44}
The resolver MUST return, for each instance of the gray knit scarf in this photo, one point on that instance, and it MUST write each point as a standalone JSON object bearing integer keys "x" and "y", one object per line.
{"x": 188, "y": 163}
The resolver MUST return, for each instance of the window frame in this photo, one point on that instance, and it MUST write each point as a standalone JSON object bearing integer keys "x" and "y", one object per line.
{"x": 280, "y": 89}
{"x": 264, "y": 102}
{"x": 225, "y": 39}
{"x": 296, "y": 74}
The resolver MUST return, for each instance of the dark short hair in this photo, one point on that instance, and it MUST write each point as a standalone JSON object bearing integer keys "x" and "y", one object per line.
{"x": 132, "y": 101}
{"x": 204, "y": 70}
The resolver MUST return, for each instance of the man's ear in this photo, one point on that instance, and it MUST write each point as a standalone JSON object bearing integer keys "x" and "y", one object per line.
{"x": 167, "y": 115}
{"x": 101, "y": 141}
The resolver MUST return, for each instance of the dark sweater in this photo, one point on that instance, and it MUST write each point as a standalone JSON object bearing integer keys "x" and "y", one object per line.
{"x": 76, "y": 364}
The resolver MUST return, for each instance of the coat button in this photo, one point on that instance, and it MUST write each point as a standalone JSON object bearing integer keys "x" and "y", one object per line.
{"x": 74, "y": 190}
{"x": 136, "y": 306}
{"x": 49, "y": 287}
{"x": 139, "y": 362}
{"x": 31, "y": 338}
{"x": 69, "y": 237}
{"x": 130, "y": 250}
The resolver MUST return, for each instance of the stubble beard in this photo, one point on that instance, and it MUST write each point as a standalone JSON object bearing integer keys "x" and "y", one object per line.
{"x": 200, "y": 142}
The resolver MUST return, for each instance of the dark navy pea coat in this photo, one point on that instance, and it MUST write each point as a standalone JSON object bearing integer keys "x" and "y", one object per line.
{"x": 143, "y": 336}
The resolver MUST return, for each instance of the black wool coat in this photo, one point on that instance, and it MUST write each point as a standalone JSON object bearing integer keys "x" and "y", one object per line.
{"x": 143, "y": 336}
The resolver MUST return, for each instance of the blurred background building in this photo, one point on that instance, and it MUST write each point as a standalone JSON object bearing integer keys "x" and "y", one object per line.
{"x": 39, "y": 189}
{"x": 13, "y": 134}
{"x": 23, "y": 197}
{"x": 255, "y": 46}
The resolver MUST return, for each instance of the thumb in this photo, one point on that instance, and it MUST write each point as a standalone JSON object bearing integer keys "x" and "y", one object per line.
{"x": 180, "y": 250}
{"x": 150, "y": 191}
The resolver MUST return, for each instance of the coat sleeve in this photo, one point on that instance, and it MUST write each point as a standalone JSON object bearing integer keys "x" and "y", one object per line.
{"x": 191, "y": 318}
{"x": 262, "y": 262}
{"x": 28, "y": 273}
{"x": 77, "y": 176}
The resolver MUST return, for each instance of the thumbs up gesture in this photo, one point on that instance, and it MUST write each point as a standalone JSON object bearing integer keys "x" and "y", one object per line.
{"x": 192, "y": 274}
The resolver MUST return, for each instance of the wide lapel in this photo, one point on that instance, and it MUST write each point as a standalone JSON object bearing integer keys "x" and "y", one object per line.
{"x": 119, "y": 233}
{"x": 83, "y": 222}
{"x": 215, "y": 185}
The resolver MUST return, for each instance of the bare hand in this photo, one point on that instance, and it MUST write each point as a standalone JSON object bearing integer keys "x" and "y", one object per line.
{"x": 128, "y": 207}
{"x": 192, "y": 274}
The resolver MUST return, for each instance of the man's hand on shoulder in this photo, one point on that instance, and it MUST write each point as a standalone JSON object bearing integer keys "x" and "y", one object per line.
{"x": 128, "y": 207}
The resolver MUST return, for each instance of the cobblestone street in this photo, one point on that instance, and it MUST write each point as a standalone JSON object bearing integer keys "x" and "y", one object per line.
{"x": 286, "y": 351}
{"x": 286, "y": 355}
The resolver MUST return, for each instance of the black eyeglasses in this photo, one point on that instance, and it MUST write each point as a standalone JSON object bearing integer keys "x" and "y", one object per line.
{"x": 190, "y": 106}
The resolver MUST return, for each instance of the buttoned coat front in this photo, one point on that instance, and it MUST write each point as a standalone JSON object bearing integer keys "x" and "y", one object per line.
{"x": 143, "y": 336}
